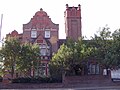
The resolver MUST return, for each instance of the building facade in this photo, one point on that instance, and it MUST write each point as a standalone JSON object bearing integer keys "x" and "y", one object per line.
{"x": 41, "y": 30}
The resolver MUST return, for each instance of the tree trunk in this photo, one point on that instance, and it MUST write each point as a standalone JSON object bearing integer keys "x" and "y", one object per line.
{"x": 63, "y": 77}
{"x": 12, "y": 72}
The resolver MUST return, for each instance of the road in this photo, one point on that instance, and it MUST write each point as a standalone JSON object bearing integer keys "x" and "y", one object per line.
{"x": 59, "y": 86}
{"x": 82, "y": 88}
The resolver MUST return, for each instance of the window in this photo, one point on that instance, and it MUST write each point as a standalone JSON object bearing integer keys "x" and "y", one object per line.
{"x": 42, "y": 57}
{"x": 33, "y": 34}
{"x": 97, "y": 69}
{"x": 93, "y": 69}
{"x": 47, "y": 34}
{"x": 42, "y": 46}
{"x": 43, "y": 64}
{"x": 42, "y": 71}
{"x": 44, "y": 50}
{"x": 48, "y": 52}
{"x": 46, "y": 57}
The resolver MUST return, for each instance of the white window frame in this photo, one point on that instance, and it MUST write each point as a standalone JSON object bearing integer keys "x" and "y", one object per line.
{"x": 47, "y": 33}
{"x": 33, "y": 34}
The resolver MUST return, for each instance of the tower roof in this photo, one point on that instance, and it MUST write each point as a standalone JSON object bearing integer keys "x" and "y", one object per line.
{"x": 41, "y": 13}
{"x": 68, "y": 8}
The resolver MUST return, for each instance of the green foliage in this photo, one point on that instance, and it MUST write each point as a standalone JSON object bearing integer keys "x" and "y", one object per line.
{"x": 29, "y": 57}
{"x": 62, "y": 57}
{"x": 107, "y": 47}
{"x": 113, "y": 54}
{"x": 19, "y": 57}
{"x": 61, "y": 60}
{"x": 10, "y": 52}
{"x": 103, "y": 47}
{"x": 36, "y": 80}
{"x": 68, "y": 56}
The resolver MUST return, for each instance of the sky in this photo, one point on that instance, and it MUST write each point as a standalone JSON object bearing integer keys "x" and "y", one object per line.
{"x": 95, "y": 14}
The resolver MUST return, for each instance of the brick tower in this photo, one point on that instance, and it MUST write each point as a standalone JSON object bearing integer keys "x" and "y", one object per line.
{"x": 73, "y": 22}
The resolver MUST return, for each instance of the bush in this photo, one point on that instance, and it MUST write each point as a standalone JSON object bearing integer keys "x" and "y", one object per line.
{"x": 37, "y": 80}
{"x": 21, "y": 80}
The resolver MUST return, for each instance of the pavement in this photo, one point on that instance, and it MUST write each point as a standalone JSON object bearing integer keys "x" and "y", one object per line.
{"x": 60, "y": 86}
{"x": 80, "y": 88}
{"x": 56, "y": 87}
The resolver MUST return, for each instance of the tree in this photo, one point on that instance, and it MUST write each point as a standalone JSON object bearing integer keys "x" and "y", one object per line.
{"x": 70, "y": 57}
{"x": 19, "y": 57}
{"x": 29, "y": 58}
{"x": 113, "y": 54}
{"x": 102, "y": 44}
{"x": 10, "y": 52}
{"x": 1, "y": 66}
{"x": 61, "y": 58}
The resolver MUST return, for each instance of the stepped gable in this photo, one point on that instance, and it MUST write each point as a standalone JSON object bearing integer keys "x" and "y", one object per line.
{"x": 40, "y": 20}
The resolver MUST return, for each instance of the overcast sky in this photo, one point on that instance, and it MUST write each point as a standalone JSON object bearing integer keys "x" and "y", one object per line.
{"x": 95, "y": 14}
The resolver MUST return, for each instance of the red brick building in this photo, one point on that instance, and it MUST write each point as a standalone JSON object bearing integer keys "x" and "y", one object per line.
{"x": 73, "y": 22}
{"x": 40, "y": 29}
